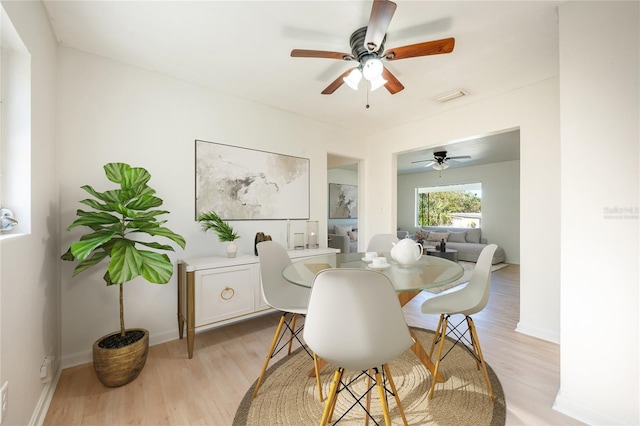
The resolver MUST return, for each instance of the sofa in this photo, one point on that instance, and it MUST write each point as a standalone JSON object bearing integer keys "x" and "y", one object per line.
{"x": 343, "y": 237}
{"x": 468, "y": 241}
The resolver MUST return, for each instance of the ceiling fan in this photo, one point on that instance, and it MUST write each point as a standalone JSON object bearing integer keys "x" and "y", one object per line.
{"x": 440, "y": 160}
{"x": 367, "y": 48}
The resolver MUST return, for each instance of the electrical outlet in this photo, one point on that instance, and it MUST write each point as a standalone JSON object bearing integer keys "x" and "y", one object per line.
{"x": 4, "y": 398}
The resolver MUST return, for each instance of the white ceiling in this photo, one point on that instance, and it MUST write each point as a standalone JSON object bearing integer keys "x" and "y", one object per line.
{"x": 243, "y": 48}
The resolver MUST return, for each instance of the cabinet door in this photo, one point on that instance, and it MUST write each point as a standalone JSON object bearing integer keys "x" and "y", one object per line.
{"x": 224, "y": 293}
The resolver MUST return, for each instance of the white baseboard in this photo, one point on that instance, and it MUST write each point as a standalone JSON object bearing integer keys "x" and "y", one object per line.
{"x": 582, "y": 413}
{"x": 539, "y": 333}
{"x": 40, "y": 412}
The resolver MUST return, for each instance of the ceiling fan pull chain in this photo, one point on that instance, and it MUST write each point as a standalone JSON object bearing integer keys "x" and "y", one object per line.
{"x": 367, "y": 106}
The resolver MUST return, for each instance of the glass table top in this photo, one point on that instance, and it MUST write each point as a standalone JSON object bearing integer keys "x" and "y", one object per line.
{"x": 428, "y": 271}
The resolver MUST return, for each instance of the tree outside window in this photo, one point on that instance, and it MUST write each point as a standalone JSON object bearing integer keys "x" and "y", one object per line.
{"x": 454, "y": 205}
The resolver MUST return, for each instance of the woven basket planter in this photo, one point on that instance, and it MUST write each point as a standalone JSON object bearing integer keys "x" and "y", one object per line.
{"x": 119, "y": 366}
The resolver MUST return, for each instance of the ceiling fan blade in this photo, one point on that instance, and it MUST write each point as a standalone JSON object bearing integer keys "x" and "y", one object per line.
{"x": 301, "y": 53}
{"x": 459, "y": 157}
{"x": 427, "y": 48}
{"x": 420, "y": 161}
{"x": 429, "y": 164}
{"x": 381, "y": 13}
{"x": 393, "y": 85}
{"x": 337, "y": 82}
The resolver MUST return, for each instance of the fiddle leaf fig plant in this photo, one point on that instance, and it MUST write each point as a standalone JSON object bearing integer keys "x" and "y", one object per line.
{"x": 119, "y": 217}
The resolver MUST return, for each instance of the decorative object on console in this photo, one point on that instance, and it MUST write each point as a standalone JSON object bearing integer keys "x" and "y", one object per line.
{"x": 298, "y": 241}
{"x": 260, "y": 237}
{"x": 242, "y": 183}
{"x": 8, "y": 221}
{"x": 312, "y": 232}
{"x": 343, "y": 201}
{"x": 211, "y": 220}
{"x": 118, "y": 215}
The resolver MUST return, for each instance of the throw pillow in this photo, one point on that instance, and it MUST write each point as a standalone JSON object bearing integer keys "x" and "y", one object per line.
{"x": 438, "y": 236}
{"x": 342, "y": 230}
{"x": 473, "y": 235}
{"x": 353, "y": 235}
{"x": 457, "y": 237}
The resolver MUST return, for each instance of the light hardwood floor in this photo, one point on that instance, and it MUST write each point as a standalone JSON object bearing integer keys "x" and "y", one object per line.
{"x": 205, "y": 390}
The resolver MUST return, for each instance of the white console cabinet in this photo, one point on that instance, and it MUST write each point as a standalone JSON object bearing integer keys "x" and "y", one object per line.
{"x": 215, "y": 291}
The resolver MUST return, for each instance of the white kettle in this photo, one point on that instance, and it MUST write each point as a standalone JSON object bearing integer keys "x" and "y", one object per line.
{"x": 406, "y": 252}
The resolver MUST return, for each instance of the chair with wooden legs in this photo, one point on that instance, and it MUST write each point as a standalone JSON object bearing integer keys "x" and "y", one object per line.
{"x": 355, "y": 322}
{"x": 290, "y": 299}
{"x": 467, "y": 301}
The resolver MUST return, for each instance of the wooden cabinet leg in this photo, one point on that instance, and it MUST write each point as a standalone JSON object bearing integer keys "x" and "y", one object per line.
{"x": 191, "y": 312}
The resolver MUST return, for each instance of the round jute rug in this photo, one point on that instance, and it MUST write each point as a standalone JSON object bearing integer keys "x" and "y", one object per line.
{"x": 289, "y": 397}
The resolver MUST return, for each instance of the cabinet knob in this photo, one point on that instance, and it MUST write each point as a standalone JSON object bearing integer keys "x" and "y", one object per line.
{"x": 227, "y": 290}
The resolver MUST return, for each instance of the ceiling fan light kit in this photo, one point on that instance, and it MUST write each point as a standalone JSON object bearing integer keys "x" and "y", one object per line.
{"x": 367, "y": 47}
{"x": 353, "y": 79}
{"x": 441, "y": 166}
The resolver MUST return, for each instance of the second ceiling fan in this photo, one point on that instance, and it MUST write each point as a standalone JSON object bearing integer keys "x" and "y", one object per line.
{"x": 367, "y": 48}
{"x": 440, "y": 160}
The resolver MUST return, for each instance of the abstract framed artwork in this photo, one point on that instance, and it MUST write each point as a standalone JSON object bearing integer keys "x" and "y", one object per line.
{"x": 343, "y": 201}
{"x": 248, "y": 184}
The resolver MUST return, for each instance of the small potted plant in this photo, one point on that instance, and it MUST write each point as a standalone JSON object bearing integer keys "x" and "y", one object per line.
{"x": 211, "y": 221}
{"x": 117, "y": 216}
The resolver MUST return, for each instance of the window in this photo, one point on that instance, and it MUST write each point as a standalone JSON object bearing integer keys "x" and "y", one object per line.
{"x": 15, "y": 125}
{"x": 453, "y": 205}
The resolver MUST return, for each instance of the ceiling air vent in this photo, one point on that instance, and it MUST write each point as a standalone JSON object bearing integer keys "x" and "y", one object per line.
{"x": 452, "y": 95}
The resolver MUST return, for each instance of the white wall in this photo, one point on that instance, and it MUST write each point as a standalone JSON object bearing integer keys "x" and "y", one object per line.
{"x": 29, "y": 291}
{"x": 599, "y": 54}
{"x": 114, "y": 112}
{"x": 500, "y": 200}
{"x": 533, "y": 109}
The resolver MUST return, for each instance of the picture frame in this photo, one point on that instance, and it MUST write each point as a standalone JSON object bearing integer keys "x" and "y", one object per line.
{"x": 343, "y": 201}
{"x": 248, "y": 184}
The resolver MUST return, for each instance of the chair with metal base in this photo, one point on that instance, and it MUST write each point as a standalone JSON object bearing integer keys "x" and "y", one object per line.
{"x": 355, "y": 322}
{"x": 290, "y": 299}
{"x": 469, "y": 300}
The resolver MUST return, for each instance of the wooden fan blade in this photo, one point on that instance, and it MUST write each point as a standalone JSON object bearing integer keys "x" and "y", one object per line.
{"x": 301, "y": 53}
{"x": 427, "y": 48}
{"x": 337, "y": 82}
{"x": 381, "y": 13}
{"x": 393, "y": 85}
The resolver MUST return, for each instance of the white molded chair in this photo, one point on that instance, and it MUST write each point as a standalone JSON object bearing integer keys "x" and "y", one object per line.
{"x": 355, "y": 322}
{"x": 382, "y": 243}
{"x": 292, "y": 300}
{"x": 466, "y": 301}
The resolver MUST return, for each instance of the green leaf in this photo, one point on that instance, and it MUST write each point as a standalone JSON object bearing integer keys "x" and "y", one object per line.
{"x": 144, "y": 202}
{"x": 68, "y": 255}
{"x": 126, "y": 212}
{"x": 96, "y": 205}
{"x": 93, "y": 219}
{"x": 81, "y": 249}
{"x": 156, "y": 268}
{"x": 128, "y": 177}
{"x": 87, "y": 263}
{"x": 166, "y": 232}
{"x": 156, "y": 245}
{"x": 125, "y": 262}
